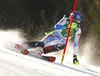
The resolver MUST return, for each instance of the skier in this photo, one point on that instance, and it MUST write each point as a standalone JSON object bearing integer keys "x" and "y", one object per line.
{"x": 55, "y": 41}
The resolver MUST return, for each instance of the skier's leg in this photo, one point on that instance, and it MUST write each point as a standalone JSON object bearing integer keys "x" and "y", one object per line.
{"x": 27, "y": 45}
{"x": 51, "y": 37}
{"x": 34, "y": 44}
{"x": 53, "y": 48}
{"x": 76, "y": 43}
{"x": 59, "y": 45}
{"x": 47, "y": 39}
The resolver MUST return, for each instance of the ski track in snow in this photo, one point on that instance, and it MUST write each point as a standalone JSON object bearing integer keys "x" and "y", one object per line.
{"x": 16, "y": 64}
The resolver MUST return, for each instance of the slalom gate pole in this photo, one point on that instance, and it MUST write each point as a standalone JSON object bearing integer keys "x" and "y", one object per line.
{"x": 69, "y": 31}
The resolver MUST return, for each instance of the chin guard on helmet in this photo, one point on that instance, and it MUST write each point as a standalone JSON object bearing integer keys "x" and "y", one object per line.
{"x": 77, "y": 21}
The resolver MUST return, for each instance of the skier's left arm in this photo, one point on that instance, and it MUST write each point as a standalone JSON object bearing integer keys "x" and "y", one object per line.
{"x": 76, "y": 41}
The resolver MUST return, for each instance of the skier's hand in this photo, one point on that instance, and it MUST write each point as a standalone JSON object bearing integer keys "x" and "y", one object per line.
{"x": 66, "y": 26}
{"x": 75, "y": 60}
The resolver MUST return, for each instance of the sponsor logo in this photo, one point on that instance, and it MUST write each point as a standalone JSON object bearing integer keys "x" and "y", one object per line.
{"x": 78, "y": 17}
{"x": 72, "y": 33}
{"x": 78, "y": 34}
{"x": 65, "y": 34}
{"x": 53, "y": 34}
{"x": 47, "y": 39}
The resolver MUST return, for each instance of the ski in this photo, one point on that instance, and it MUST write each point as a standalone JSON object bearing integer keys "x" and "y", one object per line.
{"x": 49, "y": 58}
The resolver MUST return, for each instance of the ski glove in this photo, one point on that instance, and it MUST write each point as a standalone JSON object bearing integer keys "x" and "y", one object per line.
{"x": 75, "y": 60}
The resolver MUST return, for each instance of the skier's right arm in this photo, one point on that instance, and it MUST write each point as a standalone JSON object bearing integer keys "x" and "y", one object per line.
{"x": 61, "y": 24}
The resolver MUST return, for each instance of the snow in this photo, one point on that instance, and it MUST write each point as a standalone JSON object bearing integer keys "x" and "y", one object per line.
{"x": 16, "y": 64}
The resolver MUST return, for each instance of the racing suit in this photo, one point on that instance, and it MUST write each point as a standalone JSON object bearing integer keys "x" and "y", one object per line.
{"x": 55, "y": 41}
{"x": 58, "y": 37}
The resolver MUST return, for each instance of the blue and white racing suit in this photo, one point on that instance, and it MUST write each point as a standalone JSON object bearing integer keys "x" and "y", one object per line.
{"x": 58, "y": 37}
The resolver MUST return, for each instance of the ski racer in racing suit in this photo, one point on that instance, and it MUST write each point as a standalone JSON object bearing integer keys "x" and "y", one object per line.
{"x": 55, "y": 41}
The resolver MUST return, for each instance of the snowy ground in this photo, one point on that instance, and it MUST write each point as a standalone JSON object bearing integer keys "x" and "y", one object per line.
{"x": 16, "y": 64}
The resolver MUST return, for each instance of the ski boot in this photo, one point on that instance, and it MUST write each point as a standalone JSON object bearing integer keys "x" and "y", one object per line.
{"x": 24, "y": 51}
{"x": 75, "y": 60}
{"x": 17, "y": 45}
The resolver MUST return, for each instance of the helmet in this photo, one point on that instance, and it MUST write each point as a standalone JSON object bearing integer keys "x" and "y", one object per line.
{"x": 77, "y": 16}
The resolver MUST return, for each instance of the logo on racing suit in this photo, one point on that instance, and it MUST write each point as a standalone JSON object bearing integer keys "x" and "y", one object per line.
{"x": 53, "y": 34}
{"x": 65, "y": 34}
{"x": 78, "y": 34}
{"x": 78, "y": 17}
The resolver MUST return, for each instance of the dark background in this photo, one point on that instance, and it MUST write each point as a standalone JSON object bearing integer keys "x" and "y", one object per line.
{"x": 35, "y": 17}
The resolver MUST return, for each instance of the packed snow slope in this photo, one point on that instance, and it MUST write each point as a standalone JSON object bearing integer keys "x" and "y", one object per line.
{"x": 15, "y": 64}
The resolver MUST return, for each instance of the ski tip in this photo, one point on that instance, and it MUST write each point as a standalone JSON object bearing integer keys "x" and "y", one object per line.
{"x": 52, "y": 59}
{"x": 24, "y": 51}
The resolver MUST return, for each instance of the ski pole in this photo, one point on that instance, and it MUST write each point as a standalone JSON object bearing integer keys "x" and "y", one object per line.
{"x": 69, "y": 31}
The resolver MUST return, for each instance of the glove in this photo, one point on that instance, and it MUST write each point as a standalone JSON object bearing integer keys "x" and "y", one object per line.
{"x": 75, "y": 60}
